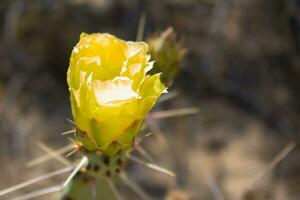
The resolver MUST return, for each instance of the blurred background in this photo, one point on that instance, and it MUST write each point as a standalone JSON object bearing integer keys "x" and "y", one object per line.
{"x": 242, "y": 69}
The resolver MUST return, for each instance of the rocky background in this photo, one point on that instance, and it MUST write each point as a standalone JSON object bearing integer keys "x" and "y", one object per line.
{"x": 242, "y": 70}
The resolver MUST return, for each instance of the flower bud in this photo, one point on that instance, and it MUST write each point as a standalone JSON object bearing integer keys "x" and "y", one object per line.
{"x": 168, "y": 54}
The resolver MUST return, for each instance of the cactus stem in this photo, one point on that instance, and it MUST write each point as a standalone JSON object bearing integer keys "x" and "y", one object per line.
{"x": 99, "y": 171}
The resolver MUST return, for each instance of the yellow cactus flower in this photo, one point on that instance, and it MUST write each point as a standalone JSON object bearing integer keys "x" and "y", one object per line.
{"x": 110, "y": 90}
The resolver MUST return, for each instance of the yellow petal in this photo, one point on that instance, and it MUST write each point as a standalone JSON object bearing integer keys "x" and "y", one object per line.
{"x": 114, "y": 92}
